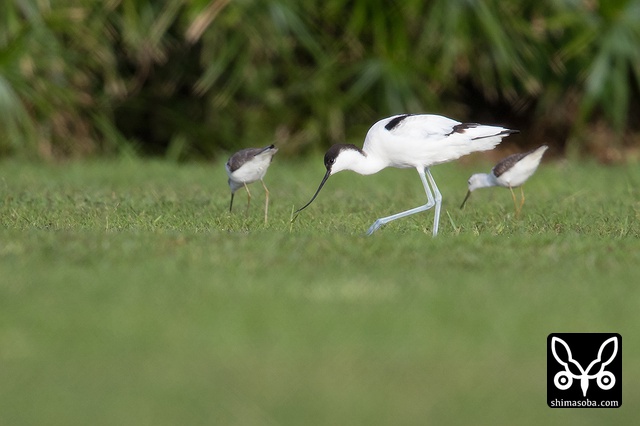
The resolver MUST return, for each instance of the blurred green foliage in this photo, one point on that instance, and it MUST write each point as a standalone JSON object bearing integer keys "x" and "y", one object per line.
{"x": 192, "y": 78}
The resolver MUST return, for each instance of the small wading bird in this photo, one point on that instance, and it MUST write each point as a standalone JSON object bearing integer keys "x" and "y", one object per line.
{"x": 511, "y": 172}
{"x": 411, "y": 141}
{"x": 248, "y": 166}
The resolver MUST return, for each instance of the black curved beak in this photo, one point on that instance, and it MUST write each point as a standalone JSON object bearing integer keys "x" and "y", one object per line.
{"x": 465, "y": 199}
{"x": 326, "y": 176}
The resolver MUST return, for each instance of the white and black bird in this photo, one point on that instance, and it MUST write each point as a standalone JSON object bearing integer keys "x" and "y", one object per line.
{"x": 412, "y": 141}
{"x": 248, "y": 166}
{"x": 511, "y": 172}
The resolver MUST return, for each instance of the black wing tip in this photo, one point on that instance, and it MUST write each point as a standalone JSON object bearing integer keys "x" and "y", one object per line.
{"x": 267, "y": 148}
{"x": 503, "y": 133}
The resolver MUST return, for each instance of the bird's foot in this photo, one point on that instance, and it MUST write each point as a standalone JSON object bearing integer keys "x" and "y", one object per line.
{"x": 373, "y": 228}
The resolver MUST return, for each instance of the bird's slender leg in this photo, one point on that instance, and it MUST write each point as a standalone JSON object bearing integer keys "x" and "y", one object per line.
{"x": 266, "y": 203}
{"x": 515, "y": 204}
{"x": 438, "y": 201}
{"x": 248, "y": 197}
{"x": 430, "y": 203}
{"x": 521, "y": 199}
{"x": 231, "y": 203}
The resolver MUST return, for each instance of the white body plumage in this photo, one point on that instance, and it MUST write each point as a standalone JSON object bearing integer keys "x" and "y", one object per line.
{"x": 412, "y": 141}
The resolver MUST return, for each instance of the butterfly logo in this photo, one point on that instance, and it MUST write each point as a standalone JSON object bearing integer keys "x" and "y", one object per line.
{"x": 595, "y": 370}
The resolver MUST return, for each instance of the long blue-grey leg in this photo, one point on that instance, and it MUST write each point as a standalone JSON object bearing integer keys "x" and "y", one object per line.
{"x": 430, "y": 203}
{"x": 438, "y": 200}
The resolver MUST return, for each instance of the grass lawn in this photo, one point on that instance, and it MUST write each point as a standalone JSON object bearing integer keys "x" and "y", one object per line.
{"x": 129, "y": 295}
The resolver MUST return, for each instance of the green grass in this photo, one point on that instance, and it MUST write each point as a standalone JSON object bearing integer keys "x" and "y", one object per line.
{"x": 130, "y": 296}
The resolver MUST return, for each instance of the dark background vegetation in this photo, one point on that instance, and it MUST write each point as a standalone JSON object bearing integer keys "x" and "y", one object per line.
{"x": 191, "y": 79}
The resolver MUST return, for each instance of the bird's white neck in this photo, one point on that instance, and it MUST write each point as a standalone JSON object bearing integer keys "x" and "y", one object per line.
{"x": 358, "y": 162}
{"x": 481, "y": 180}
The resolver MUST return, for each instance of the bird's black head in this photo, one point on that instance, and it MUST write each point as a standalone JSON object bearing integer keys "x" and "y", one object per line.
{"x": 336, "y": 152}
{"x": 331, "y": 155}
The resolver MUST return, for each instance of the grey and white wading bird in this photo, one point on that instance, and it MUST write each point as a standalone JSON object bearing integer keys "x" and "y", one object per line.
{"x": 248, "y": 166}
{"x": 411, "y": 141}
{"x": 511, "y": 172}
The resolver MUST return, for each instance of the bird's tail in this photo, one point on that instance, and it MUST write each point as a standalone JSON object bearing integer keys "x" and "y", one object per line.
{"x": 471, "y": 138}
